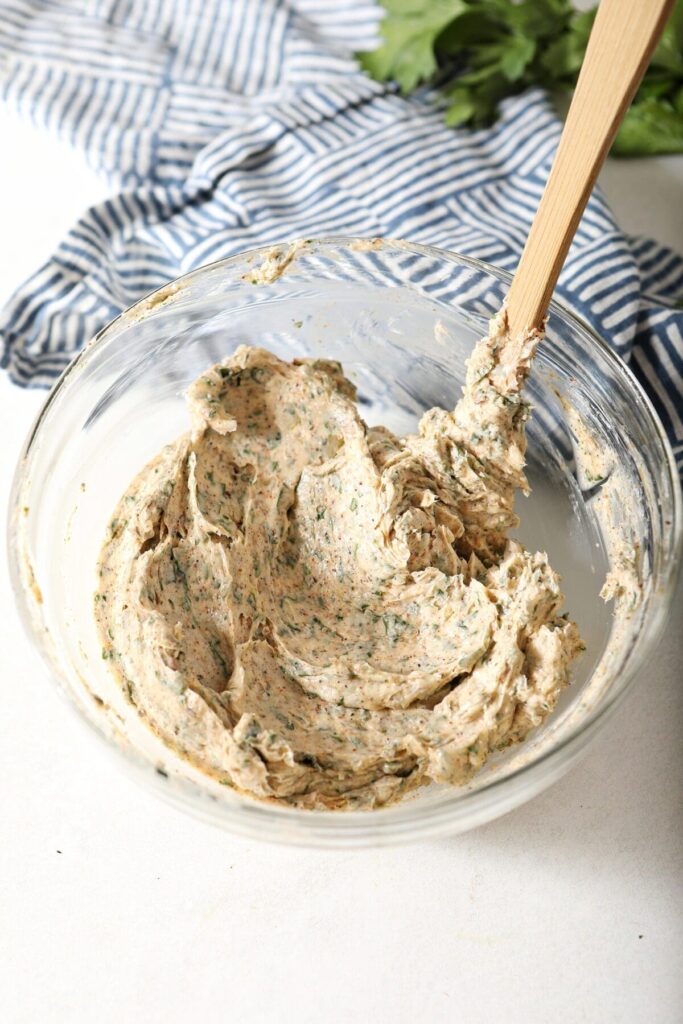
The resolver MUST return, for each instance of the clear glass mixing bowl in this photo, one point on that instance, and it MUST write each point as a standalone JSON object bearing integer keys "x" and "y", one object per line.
{"x": 401, "y": 319}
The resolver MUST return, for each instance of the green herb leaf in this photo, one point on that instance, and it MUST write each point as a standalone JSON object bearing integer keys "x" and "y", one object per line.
{"x": 651, "y": 127}
{"x": 409, "y": 32}
{"x": 563, "y": 56}
{"x": 516, "y": 56}
{"x": 477, "y": 52}
{"x": 669, "y": 52}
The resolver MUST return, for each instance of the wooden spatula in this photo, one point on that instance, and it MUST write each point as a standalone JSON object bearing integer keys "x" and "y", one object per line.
{"x": 624, "y": 36}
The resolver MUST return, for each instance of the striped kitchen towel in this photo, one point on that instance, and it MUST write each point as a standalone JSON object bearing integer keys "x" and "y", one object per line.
{"x": 226, "y": 124}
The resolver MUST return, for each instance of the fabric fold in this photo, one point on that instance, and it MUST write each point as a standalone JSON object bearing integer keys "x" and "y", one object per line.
{"x": 227, "y": 124}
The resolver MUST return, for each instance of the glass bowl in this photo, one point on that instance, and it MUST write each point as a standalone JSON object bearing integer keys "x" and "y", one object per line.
{"x": 401, "y": 319}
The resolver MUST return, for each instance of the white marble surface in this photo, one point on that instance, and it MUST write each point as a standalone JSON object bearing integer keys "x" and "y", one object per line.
{"x": 114, "y": 907}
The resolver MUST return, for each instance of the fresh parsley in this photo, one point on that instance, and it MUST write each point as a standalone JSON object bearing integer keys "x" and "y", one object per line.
{"x": 474, "y": 53}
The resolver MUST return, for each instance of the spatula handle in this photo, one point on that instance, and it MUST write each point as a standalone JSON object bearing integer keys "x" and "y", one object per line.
{"x": 624, "y": 35}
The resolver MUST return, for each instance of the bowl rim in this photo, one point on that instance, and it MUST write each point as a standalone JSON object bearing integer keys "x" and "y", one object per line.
{"x": 408, "y": 820}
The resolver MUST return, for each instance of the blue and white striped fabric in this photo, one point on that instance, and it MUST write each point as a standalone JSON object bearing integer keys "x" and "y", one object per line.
{"x": 225, "y": 124}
